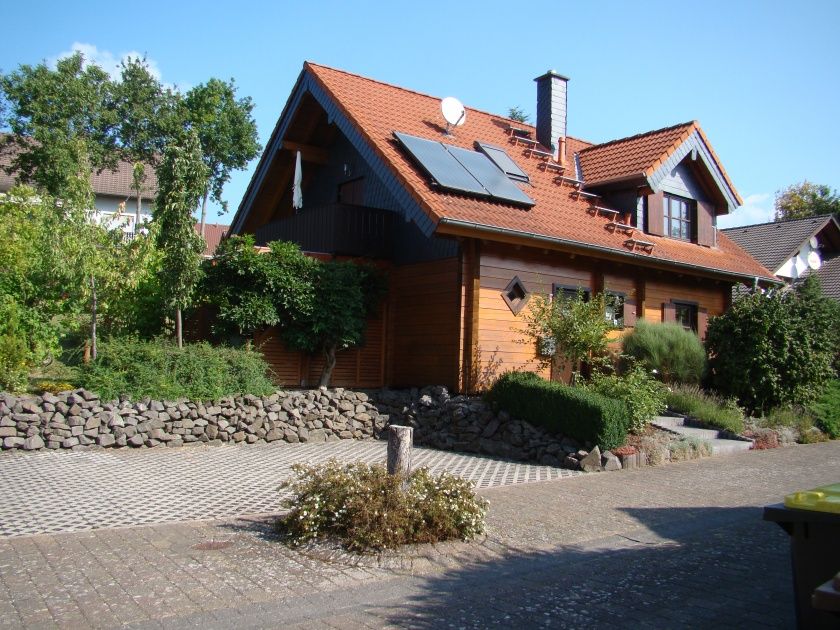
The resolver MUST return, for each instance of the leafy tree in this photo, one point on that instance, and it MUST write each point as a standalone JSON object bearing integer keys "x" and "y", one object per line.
{"x": 227, "y": 132}
{"x": 252, "y": 290}
{"x": 575, "y": 327}
{"x": 517, "y": 114}
{"x": 147, "y": 116}
{"x": 806, "y": 199}
{"x": 62, "y": 123}
{"x": 181, "y": 182}
{"x": 775, "y": 348}
{"x": 345, "y": 294}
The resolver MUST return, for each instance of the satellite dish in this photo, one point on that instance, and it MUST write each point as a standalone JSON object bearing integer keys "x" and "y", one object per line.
{"x": 799, "y": 266}
{"x": 453, "y": 112}
{"x": 814, "y": 261}
{"x": 813, "y": 242}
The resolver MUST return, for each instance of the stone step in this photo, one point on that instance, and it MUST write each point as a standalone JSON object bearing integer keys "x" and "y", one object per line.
{"x": 720, "y": 445}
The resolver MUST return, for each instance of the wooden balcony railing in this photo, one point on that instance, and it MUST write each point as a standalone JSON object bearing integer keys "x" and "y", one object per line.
{"x": 338, "y": 229}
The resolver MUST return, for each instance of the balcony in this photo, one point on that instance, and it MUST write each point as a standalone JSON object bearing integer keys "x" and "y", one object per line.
{"x": 338, "y": 229}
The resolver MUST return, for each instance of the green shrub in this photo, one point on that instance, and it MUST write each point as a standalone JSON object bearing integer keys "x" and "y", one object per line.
{"x": 708, "y": 408}
{"x": 795, "y": 417}
{"x": 367, "y": 509}
{"x": 827, "y": 410}
{"x": 643, "y": 394}
{"x": 775, "y": 349}
{"x": 159, "y": 369}
{"x": 14, "y": 363}
{"x": 583, "y": 415}
{"x": 675, "y": 353}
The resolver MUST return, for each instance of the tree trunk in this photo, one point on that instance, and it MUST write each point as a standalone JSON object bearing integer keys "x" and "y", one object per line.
{"x": 329, "y": 365}
{"x": 399, "y": 450}
{"x": 203, "y": 212}
{"x": 93, "y": 319}
{"x": 138, "y": 212}
{"x": 179, "y": 333}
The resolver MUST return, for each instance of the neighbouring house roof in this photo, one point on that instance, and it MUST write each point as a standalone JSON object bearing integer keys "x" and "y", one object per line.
{"x": 213, "y": 235}
{"x": 116, "y": 183}
{"x": 369, "y": 112}
{"x": 773, "y": 243}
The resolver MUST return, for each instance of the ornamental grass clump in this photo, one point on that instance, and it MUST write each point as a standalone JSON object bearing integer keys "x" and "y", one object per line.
{"x": 366, "y": 509}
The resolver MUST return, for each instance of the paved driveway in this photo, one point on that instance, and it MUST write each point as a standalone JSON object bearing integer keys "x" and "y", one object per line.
{"x": 54, "y": 492}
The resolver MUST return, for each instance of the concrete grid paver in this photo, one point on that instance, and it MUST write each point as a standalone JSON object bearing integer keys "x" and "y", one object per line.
{"x": 52, "y": 492}
{"x": 676, "y": 546}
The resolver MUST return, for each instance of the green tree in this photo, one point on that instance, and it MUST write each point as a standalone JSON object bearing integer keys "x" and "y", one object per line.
{"x": 574, "y": 327}
{"x": 517, "y": 114}
{"x": 227, "y": 132}
{"x": 253, "y": 290}
{"x": 147, "y": 116}
{"x": 62, "y": 123}
{"x": 181, "y": 182}
{"x": 775, "y": 348}
{"x": 345, "y": 294}
{"x": 806, "y": 199}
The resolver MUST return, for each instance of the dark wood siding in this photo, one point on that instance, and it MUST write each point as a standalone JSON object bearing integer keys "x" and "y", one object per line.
{"x": 363, "y": 366}
{"x": 424, "y": 327}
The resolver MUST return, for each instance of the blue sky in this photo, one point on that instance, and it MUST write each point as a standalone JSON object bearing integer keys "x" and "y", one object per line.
{"x": 761, "y": 77}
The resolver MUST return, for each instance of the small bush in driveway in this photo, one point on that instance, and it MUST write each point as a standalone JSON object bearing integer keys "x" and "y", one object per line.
{"x": 366, "y": 509}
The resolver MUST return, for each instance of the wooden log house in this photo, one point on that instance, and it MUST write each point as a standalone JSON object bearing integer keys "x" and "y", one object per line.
{"x": 471, "y": 220}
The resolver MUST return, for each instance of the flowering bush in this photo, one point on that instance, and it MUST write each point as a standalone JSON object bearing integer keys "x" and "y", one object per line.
{"x": 367, "y": 509}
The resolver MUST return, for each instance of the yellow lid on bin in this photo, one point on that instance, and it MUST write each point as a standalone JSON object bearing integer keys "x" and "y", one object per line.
{"x": 822, "y": 499}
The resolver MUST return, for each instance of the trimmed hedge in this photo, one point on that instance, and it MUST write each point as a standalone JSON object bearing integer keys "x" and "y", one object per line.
{"x": 583, "y": 415}
{"x": 159, "y": 369}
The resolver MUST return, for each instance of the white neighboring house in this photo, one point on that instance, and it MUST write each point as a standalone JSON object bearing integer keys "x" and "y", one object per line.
{"x": 115, "y": 201}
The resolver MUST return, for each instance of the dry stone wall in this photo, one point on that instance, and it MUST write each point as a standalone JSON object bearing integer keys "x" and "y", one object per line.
{"x": 79, "y": 420}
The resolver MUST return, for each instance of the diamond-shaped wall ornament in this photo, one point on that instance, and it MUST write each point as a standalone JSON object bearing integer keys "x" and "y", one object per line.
{"x": 515, "y": 295}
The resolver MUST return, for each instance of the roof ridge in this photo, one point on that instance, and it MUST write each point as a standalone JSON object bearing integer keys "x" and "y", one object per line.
{"x": 751, "y": 225}
{"x": 313, "y": 64}
{"x": 690, "y": 123}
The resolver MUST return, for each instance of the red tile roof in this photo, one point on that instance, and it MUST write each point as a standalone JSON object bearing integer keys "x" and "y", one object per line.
{"x": 640, "y": 155}
{"x": 213, "y": 235}
{"x": 377, "y": 109}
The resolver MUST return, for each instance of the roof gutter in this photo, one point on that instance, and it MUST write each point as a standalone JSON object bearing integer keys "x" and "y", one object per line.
{"x": 491, "y": 229}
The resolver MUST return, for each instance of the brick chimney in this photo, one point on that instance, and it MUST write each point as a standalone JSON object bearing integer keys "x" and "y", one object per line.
{"x": 551, "y": 109}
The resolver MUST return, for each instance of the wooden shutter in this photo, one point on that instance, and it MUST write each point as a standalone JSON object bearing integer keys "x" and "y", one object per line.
{"x": 702, "y": 322}
{"x": 705, "y": 223}
{"x": 669, "y": 313}
{"x": 629, "y": 312}
{"x": 656, "y": 214}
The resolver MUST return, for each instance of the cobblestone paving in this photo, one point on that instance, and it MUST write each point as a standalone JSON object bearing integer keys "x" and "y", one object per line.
{"x": 65, "y": 492}
{"x": 678, "y": 546}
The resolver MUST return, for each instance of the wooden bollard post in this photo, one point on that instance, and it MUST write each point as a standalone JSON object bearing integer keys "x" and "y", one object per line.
{"x": 399, "y": 450}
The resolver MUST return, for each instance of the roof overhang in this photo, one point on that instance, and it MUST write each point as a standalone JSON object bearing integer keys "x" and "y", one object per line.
{"x": 696, "y": 145}
{"x": 307, "y": 83}
{"x": 456, "y": 227}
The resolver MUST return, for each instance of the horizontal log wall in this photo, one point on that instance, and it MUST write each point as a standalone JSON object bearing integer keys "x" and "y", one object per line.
{"x": 424, "y": 326}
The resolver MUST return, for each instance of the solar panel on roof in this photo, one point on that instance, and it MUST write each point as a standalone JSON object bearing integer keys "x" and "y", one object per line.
{"x": 500, "y": 158}
{"x": 444, "y": 169}
{"x": 462, "y": 170}
{"x": 494, "y": 180}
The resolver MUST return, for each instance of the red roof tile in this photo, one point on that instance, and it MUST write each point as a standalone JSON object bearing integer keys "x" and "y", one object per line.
{"x": 378, "y": 109}
{"x": 213, "y": 235}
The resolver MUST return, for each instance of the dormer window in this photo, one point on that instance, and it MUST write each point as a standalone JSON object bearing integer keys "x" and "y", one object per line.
{"x": 679, "y": 216}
